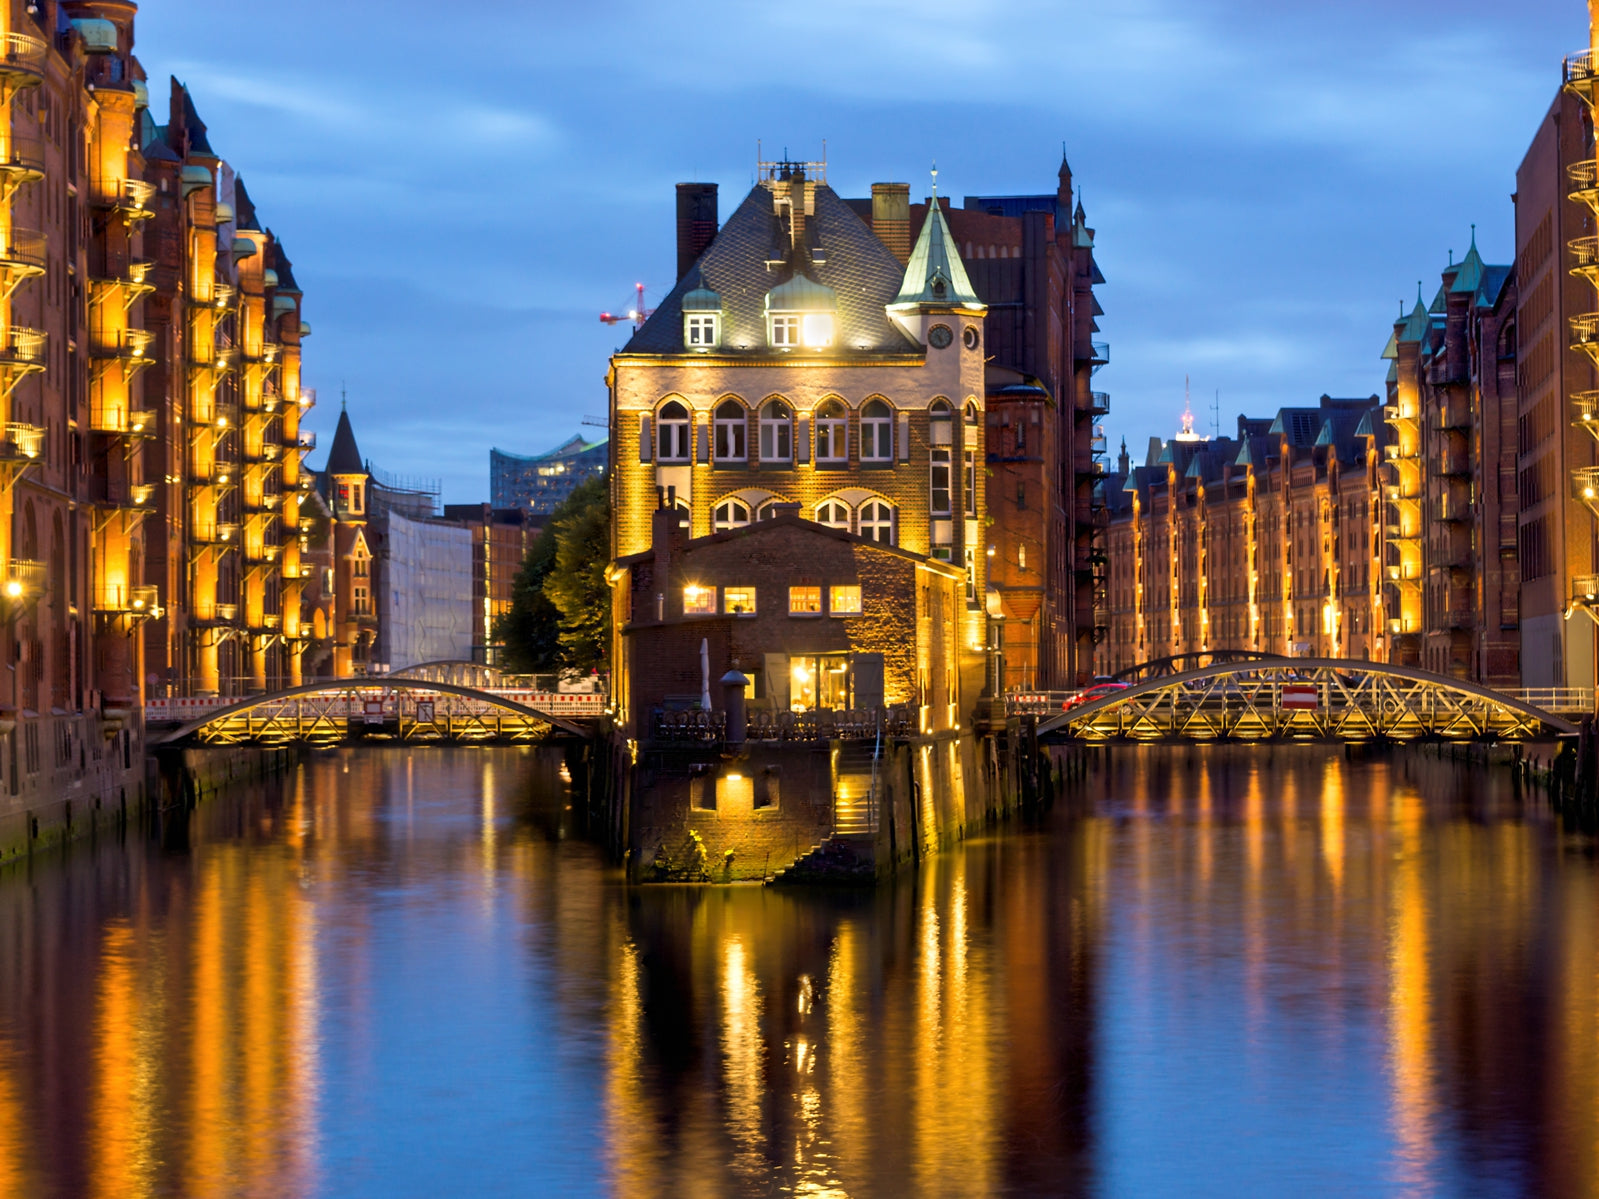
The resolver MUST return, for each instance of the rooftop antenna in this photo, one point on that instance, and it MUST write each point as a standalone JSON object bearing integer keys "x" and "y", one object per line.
{"x": 344, "y": 397}
{"x": 935, "y": 181}
{"x": 1215, "y": 415}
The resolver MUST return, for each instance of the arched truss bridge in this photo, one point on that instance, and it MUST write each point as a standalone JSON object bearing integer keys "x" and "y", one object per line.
{"x": 1159, "y": 668}
{"x": 393, "y": 708}
{"x": 1312, "y": 699}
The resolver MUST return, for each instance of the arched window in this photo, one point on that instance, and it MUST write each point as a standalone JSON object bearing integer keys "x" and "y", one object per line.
{"x": 768, "y": 509}
{"x": 970, "y": 412}
{"x": 877, "y": 522}
{"x": 730, "y": 514}
{"x": 674, "y": 433}
{"x": 777, "y": 432}
{"x": 832, "y": 432}
{"x": 834, "y": 514}
{"x": 877, "y": 432}
{"x": 732, "y": 428}
{"x": 941, "y": 422}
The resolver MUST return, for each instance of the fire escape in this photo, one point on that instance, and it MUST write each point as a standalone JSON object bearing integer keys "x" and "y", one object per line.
{"x": 1582, "y": 80}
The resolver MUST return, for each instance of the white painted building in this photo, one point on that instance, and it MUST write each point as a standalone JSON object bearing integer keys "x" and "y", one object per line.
{"x": 424, "y": 592}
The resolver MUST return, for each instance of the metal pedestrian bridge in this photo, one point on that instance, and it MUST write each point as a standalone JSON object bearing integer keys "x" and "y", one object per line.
{"x": 1304, "y": 699}
{"x": 391, "y": 708}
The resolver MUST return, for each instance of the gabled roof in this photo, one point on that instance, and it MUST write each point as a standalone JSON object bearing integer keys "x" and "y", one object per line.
{"x": 345, "y": 457}
{"x": 1492, "y": 285}
{"x": 935, "y": 274}
{"x": 853, "y": 262}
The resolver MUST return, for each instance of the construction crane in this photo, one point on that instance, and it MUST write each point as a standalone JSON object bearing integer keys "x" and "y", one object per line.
{"x": 638, "y": 314}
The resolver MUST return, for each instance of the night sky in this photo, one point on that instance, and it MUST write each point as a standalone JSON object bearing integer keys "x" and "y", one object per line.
{"x": 463, "y": 188}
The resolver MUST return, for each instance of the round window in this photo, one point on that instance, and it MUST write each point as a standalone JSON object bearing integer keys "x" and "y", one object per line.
{"x": 970, "y": 337}
{"x": 939, "y": 336}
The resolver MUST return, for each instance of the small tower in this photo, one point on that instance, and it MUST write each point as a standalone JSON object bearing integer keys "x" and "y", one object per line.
{"x": 347, "y": 488}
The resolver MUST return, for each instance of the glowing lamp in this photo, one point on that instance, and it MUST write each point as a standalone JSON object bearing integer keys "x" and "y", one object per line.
{"x": 13, "y": 588}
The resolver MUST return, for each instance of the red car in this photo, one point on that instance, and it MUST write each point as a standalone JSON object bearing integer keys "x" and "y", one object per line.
{"x": 1089, "y": 694}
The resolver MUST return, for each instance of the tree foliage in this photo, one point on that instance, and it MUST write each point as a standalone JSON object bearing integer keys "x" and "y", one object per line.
{"x": 560, "y": 604}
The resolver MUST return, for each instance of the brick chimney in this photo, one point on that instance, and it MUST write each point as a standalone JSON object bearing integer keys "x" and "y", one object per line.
{"x": 696, "y": 222}
{"x": 668, "y": 533}
{"x": 891, "y": 217}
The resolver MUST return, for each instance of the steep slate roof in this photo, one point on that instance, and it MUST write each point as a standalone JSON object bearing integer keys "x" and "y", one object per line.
{"x": 935, "y": 274}
{"x": 841, "y": 253}
{"x": 198, "y": 144}
{"x": 344, "y": 458}
{"x": 279, "y": 260}
{"x": 1413, "y": 327}
{"x": 243, "y": 207}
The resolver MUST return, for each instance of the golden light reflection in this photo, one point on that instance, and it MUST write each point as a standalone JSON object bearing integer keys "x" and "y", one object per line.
{"x": 18, "y": 1175}
{"x": 1410, "y": 998}
{"x": 1332, "y": 823}
{"x": 126, "y": 1069}
{"x": 743, "y": 1056}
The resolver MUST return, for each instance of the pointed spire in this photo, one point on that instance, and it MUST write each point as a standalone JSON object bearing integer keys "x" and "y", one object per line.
{"x": 935, "y": 273}
{"x": 345, "y": 457}
{"x": 1471, "y": 268}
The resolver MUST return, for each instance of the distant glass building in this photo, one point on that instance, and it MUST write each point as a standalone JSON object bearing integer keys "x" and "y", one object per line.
{"x": 539, "y": 484}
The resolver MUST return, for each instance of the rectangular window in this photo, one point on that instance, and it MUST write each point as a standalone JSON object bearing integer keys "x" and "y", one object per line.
{"x": 702, "y": 330}
{"x": 940, "y": 482}
{"x": 819, "y": 329}
{"x": 804, "y": 601}
{"x": 971, "y": 573}
{"x": 698, "y": 601}
{"x": 844, "y": 600}
{"x": 969, "y": 478}
{"x": 785, "y": 330}
{"x": 738, "y": 601}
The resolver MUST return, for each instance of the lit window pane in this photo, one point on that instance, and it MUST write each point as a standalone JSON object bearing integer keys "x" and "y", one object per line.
{"x": 804, "y": 601}
{"x": 844, "y": 601}
{"x": 698, "y": 600}
{"x": 738, "y": 601}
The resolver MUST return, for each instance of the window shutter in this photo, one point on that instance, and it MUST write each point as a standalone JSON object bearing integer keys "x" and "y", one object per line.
{"x": 802, "y": 438}
{"x": 904, "y": 436}
{"x": 645, "y": 442}
{"x": 702, "y": 435}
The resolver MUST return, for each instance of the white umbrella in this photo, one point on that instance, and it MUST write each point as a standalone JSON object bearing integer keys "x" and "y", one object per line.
{"x": 705, "y": 673}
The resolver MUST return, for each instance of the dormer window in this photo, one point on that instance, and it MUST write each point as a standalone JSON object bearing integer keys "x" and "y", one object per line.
{"x": 801, "y": 313}
{"x": 700, "y": 330}
{"x": 785, "y": 331}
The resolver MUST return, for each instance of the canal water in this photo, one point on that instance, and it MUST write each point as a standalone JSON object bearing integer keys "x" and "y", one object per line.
{"x": 1214, "y": 973}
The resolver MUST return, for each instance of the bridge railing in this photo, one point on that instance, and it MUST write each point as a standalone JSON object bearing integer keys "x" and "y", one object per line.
{"x": 180, "y": 709}
{"x": 1562, "y": 701}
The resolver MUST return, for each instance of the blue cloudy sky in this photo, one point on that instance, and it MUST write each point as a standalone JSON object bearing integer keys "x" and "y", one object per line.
{"x": 463, "y": 188}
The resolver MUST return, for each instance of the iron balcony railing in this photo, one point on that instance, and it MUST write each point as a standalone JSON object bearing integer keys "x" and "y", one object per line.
{"x": 131, "y": 196}
{"x": 1579, "y": 67}
{"x": 1585, "y": 483}
{"x": 140, "y": 600}
{"x": 132, "y": 345}
{"x": 22, "y": 153}
{"x": 22, "y": 55}
{"x": 21, "y": 441}
{"x": 22, "y": 579}
{"x": 1585, "y": 589}
{"x": 19, "y": 346}
{"x": 1584, "y": 330}
{"x": 1584, "y": 252}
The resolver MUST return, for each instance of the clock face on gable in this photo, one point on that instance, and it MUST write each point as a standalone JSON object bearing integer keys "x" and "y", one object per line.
{"x": 939, "y": 336}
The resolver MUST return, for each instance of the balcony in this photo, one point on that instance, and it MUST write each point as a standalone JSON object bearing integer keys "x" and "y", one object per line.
{"x": 1584, "y": 182}
{"x": 121, "y": 421}
{"x": 130, "y": 346}
{"x": 263, "y": 552}
{"x": 21, "y": 443}
{"x": 215, "y": 613}
{"x": 306, "y": 441}
{"x": 1098, "y": 403}
{"x": 1585, "y": 258}
{"x": 1585, "y": 486}
{"x": 133, "y": 499}
{"x": 1579, "y": 74}
{"x": 1585, "y": 589}
{"x": 1585, "y": 411}
{"x": 1454, "y": 462}
{"x": 143, "y": 602}
{"x": 1452, "y": 416}
{"x": 21, "y": 162}
{"x": 267, "y": 622}
{"x": 1585, "y": 334}
{"x": 1451, "y": 510}
{"x": 132, "y": 282}
{"x": 22, "y": 257}
{"x": 21, "y": 582}
{"x": 127, "y": 198}
{"x": 220, "y": 533}
{"x": 22, "y": 60}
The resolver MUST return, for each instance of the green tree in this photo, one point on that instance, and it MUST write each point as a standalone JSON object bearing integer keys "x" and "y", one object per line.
{"x": 577, "y": 583}
{"x": 544, "y": 631}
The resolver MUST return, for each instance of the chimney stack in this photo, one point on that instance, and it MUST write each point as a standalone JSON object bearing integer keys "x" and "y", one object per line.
{"x": 696, "y": 222}
{"x": 891, "y": 217}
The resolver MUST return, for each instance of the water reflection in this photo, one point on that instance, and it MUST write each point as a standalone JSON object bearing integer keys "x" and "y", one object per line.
{"x": 1220, "y": 972}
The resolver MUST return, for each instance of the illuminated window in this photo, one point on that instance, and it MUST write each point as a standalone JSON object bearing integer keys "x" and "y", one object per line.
{"x": 834, "y": 514}
{"x": 730, "y": 514}
{"x": 777, "y": 432}
{"x": 804, "y": 601}
{"x": 818, "y": 329}
{"x": 698, "y": 601}
{"x": 844, "y": 600}
{"x": 738, "y": 601}
{"x": 832, "y": 432}
{"x": 877, "y": 522}
{"x": 1021, "y": 557}
{"x": 363, "y": 606}
{"x": 785, "y": 331}
{"x": 674, "y": 433}
{"x": 732, "y": 428}
{"x": 877, "y": 432}
{"x": 941, "y": 423}
{"x": 701, "y": 330}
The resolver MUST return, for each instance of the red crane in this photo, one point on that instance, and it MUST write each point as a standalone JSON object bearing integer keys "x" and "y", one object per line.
{"x": 638, "y": 314}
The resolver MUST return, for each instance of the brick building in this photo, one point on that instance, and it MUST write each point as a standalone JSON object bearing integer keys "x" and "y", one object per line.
{"x": 1452, "y": 491}
{"x": 798, "y": 361}
{"x": 816, "y": 618}
{"x": 1554, "y": 337}
{"x": 1264, "y": 541}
